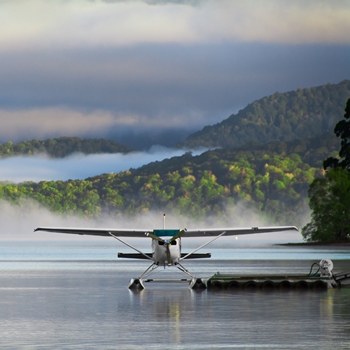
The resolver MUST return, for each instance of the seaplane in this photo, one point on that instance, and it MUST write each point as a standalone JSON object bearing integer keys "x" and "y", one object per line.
{"x": 166, "y": 246}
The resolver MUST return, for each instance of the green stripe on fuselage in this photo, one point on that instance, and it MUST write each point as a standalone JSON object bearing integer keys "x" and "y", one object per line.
{"x": 160, "y": 233}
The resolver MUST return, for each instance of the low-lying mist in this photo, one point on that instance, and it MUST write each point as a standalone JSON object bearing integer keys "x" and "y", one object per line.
{"x": 79, "y": 166}
{"x": 19, "y": 222}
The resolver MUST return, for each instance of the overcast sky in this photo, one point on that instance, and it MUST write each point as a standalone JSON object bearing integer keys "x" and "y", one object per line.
{"x": 111, "y": 68}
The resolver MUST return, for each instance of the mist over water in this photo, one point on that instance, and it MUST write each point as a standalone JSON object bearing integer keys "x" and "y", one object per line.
{"x": 19, "y": 221}
{"x": 80, "y": 166}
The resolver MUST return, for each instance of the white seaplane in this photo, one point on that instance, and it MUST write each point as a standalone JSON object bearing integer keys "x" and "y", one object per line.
{"x": 166, "y": 245}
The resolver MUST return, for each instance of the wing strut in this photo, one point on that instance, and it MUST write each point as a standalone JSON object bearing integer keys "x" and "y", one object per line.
{"x": 130, "y": 246}
{"x": 202, "y": 246}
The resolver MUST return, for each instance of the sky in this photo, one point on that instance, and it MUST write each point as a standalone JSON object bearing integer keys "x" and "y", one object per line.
{"x": 152, "y": 71}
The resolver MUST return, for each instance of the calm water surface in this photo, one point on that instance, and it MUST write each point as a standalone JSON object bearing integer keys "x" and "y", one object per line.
{"x": 73, "y": 295}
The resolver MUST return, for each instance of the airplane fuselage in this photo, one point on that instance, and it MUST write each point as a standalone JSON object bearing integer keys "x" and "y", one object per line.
{"x": 165, "y": 253}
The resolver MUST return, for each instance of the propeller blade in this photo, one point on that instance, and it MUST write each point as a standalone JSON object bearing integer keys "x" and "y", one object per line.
{"x": 167, "y": 244}
{"x": 153, "y": 236}
{"x": 178, "y": 235}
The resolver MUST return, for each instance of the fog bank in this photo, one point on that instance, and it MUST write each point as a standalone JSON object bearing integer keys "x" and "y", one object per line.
{"x": 19, "y": 222}
{"x": 79, "y": 166}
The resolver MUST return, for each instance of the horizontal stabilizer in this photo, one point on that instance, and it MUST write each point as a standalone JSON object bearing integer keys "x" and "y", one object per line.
{"x": 134, "y": 256}
{"x": 197, "y": 256}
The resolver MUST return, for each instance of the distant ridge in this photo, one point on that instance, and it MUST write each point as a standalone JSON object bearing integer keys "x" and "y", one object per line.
{"x": 62, "y": 146}
{"x": 272, "y": 179}
{"x": 279, "y": 117}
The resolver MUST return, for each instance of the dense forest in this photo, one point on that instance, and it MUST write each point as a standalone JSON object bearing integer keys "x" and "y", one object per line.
{"x": 280, "y": 117}
{"x": 62, "y": 147}
{"x": 271, "y": 178}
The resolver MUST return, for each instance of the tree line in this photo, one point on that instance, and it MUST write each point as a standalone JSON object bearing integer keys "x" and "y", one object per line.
{"x": 62, "y": 147}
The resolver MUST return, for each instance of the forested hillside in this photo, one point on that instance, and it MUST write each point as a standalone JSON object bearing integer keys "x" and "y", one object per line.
{"x": 62, "y": 147}
{"x": 281, "y": 117}
{"x": 273, "y": 178}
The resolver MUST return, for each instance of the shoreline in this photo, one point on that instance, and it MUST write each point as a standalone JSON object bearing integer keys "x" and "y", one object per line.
{"x": 316, "y": 244}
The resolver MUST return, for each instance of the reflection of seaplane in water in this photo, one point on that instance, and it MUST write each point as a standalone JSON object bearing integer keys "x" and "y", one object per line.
{"x": 166, "y": 245}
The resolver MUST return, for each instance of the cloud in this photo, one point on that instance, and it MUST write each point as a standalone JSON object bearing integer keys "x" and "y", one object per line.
{"x": 82, "y": 23}
{"x": 136, "y": 130}
{"x": 275, "y": 21}
{"x": 39, "y": 123}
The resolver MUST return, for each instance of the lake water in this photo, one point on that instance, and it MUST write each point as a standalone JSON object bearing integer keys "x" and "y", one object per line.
{"x": 73, "y": 295}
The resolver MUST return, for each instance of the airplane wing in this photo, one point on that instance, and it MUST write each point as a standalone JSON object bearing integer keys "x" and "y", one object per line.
{"x": 96, "y": 231}
{"x": 187, "y": 233}
{"x": 236, "y": 231}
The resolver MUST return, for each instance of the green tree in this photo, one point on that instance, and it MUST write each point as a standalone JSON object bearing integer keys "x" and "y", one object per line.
{"x": 342, "y": 130}
{"x": 330, "y": 205}
{"x": 330, "y": 196}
